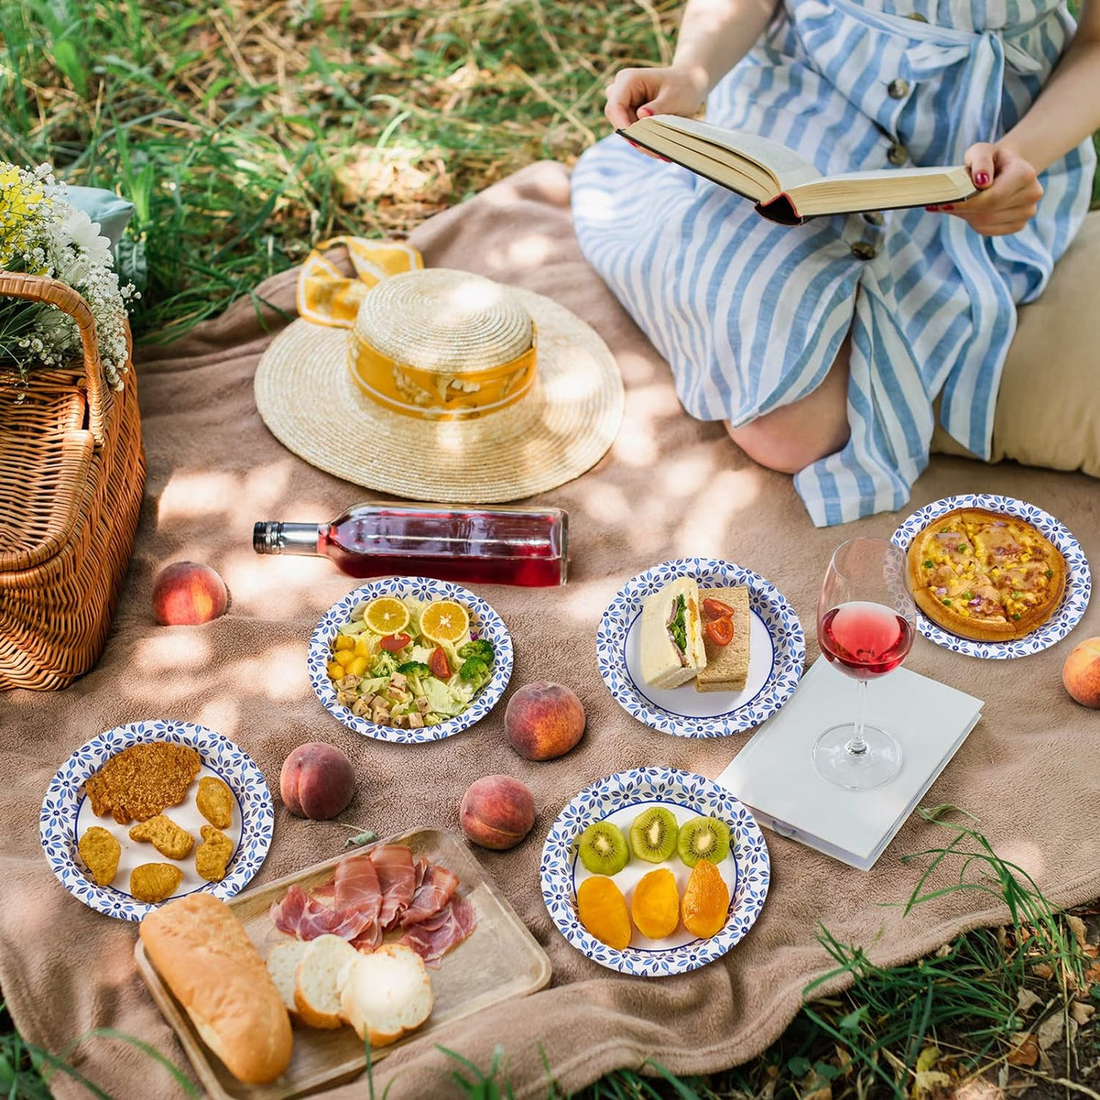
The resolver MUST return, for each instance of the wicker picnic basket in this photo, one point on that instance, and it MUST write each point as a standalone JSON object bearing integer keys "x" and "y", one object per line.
{"x": 72, "y": 472}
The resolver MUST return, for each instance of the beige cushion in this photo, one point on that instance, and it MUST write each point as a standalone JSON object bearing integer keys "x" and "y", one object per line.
{"x": 1048, "y": 408}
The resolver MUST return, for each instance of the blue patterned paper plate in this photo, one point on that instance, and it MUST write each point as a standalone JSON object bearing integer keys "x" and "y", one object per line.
{"x": 483, "y": 620}
{"x": 1078, "y": 577}
{"x": 628, "y": 793}
{"x": 64, "y": 815}
{"x": 777, "y": 654}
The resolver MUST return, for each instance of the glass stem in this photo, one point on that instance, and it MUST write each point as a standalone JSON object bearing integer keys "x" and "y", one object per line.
{"x": 856, "y": 745}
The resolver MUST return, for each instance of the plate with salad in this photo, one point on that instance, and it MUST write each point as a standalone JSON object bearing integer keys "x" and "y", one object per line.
{"x": 410, "y": 659}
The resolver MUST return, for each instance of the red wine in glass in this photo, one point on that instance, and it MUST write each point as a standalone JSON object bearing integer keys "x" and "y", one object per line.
{"x": 865, "y": 625}
{"x": 866, "y": 639}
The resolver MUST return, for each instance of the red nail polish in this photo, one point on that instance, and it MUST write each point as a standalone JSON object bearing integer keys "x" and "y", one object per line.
{"x": 949, "y": 206}
{"x": 644, "y": 112}
{"x": 981, "y": 179}
{"x": 932, "y": 209}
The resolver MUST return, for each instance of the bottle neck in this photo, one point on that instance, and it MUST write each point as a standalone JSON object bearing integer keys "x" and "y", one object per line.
{"x": 271, "y": 537}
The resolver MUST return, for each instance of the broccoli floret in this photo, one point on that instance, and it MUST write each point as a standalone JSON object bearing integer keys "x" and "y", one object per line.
{"x": 481, "y": 648}
{"x": 414, "y": 668}
{"x": 476, "y": 671}
{"x": 385, "y": 664}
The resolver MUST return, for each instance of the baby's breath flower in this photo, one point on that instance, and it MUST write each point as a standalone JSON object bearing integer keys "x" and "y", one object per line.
{"x": 41, "y": 234}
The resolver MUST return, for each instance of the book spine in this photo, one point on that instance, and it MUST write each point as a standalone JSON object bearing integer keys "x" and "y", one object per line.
{"x": 781, "y": 210}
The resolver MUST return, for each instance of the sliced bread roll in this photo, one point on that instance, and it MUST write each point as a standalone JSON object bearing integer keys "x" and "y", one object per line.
{"x": 386, "y": 994}
{"x": 282, "y": 964}
{"x": 213, "y": 969}
{"x": 317, "y": 980}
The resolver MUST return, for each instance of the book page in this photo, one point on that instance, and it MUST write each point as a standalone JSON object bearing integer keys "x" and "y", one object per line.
{"x": 882, "y": 189}
{"x": 786, "y": 167}
{"x": 730, "y": 171}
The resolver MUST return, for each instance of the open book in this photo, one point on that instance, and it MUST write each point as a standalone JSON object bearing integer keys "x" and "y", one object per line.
{"x": 785, "y": 187}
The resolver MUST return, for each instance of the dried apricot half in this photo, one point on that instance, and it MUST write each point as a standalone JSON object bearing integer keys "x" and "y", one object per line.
{"x": 655, "y": 905}
{"x": 602, "y": 910}
{"x": 706, "y": 900}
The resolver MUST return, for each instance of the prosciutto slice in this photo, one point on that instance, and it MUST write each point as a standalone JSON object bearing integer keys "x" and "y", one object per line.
{"x": 357, "y": 886}
{"x": 433, "y": 938}
{"x": 435, "y": 890}
{"x": 297, "y": 914}
{"x": 397, "y": 879}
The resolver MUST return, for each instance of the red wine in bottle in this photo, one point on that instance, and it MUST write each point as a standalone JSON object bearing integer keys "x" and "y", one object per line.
{"x": 483, "y": 545}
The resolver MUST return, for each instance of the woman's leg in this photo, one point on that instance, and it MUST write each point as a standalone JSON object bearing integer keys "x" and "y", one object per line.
{"x": 792, "y": 436}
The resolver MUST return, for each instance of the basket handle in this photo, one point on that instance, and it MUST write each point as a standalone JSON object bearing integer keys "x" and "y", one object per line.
{"x": 40, "y": 288}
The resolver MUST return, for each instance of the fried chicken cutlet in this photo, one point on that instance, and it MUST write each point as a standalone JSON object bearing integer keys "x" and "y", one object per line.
{"x": 141, "y": 781}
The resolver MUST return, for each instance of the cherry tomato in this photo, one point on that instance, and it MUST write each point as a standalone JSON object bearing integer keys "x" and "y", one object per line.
{"x": 437, "y": 662}
{"x": 720, "y": 630}
{"x": 394, "y": 642}
{"x": 715, "y": 609}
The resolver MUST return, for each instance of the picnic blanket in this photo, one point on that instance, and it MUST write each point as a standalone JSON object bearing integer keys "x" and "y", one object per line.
{"x": 671, "y": 486}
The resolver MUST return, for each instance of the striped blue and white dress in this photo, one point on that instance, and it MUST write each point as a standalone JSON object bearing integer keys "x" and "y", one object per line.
{"x": 750, "y": 315}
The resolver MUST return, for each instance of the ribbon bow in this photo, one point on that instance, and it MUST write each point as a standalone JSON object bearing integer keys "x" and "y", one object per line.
{"x": 328, "y": 297}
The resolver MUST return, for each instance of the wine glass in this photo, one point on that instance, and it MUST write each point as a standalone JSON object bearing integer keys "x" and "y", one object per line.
{"x": 865, "y": 626}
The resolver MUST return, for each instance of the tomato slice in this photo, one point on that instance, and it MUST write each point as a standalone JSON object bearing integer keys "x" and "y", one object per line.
{"x": 720, "y": 630}
{"x": 394, "y": 642}
{"x": 439, "y": 665}
{"x": 715, "y": 609}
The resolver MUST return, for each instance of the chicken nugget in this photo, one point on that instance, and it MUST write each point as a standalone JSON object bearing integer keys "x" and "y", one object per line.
{"x": 213, "y": 854}
{"x": 154, "y": 881}
{"x": 215, "y": 802}
{"x": 165, "y": 835}
{"x": 100, "y": 852}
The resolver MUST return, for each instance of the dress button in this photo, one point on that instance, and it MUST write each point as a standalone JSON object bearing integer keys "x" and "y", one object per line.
{"x": 874, "y": 217}
{"x": 864, "y": 251}
{"x": 916, "y": 17}
{"x": 898, "y": 89}
{"x": 897, "y": 154}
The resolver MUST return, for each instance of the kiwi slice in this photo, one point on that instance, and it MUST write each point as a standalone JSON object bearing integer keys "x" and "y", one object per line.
{"x": 653, "y": 834}
{"x": 602, "y": 848}
{"x": 703, "y": 838}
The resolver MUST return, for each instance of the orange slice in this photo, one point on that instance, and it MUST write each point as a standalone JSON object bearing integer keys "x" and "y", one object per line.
{"x": 444, "y": 621}
{"x": 386, "y": 615}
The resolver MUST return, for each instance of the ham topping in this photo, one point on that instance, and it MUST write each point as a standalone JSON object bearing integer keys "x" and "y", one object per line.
{"x": 432, "y": 938}
{"x": 397, "y": 877}
{"x": 431, "y": 896}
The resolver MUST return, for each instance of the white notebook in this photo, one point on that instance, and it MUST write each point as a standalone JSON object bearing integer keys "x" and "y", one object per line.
{"x": 774, "y": 774}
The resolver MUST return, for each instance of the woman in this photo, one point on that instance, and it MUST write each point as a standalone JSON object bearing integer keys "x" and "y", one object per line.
{"x": 823, "y": 346}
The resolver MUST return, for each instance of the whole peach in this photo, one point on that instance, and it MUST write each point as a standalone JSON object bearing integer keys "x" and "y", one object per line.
{"x": 1081, "y": 673}
{"x": 497, "y": 812}
{"x": 544, "y": 720}
{"x": 317, "y": 781}
{"x": 186, "y": 593}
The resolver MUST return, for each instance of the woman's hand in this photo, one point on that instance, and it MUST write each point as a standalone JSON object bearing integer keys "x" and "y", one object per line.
{"x": 1008, "y": 191}
{"x": 638, "y": 93}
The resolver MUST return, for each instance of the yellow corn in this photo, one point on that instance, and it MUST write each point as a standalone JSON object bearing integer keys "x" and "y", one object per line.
{"x": 357, "y": 666}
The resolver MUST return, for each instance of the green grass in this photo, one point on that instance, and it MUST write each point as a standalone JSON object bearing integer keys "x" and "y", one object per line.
{"x": 245, "y": 133}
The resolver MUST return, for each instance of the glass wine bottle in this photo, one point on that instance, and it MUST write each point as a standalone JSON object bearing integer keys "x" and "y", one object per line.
{"x": 482, "y": 545}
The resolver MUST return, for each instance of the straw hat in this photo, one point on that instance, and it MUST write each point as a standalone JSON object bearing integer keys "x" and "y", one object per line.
{"x": 448, "y": 387}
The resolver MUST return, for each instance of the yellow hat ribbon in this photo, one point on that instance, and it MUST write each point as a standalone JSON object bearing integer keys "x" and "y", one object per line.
{"x": 328, "y": 297}
{"x": 438, "y": 395}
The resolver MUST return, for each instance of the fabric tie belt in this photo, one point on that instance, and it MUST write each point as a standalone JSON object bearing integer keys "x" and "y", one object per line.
{"x": 987, "y": 52}
{"x": 327, "y": 297}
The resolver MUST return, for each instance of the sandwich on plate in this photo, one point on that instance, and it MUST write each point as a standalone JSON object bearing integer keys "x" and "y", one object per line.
{"x": 725, "y": 638}
{"x": 672, "y": 635}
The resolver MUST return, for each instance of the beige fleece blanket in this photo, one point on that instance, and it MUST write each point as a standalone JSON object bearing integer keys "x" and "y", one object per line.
{"x": 670, "y": 486}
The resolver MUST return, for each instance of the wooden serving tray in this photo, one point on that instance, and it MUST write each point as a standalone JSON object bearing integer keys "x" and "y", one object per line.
{"x": 500, "y": 960}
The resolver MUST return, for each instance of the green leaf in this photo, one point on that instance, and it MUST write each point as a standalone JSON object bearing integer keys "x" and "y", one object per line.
{"x": 799, "y": 1066}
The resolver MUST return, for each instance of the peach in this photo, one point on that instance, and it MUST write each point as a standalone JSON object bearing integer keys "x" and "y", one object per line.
{"x": 186, "y": 593}
{"x": 543, "y": 720}
{"x": 497, "y": 812}
{"x": 317, "y": 781}
{"x": 1081, "y": 673}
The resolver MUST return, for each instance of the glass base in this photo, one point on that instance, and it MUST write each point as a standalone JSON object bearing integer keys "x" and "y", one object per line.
{"x": 877, "y": 764}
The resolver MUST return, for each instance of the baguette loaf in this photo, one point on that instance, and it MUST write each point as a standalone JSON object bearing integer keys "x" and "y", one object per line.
{"x": 206, "y": 959}
{"x": 386, "y": 993}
